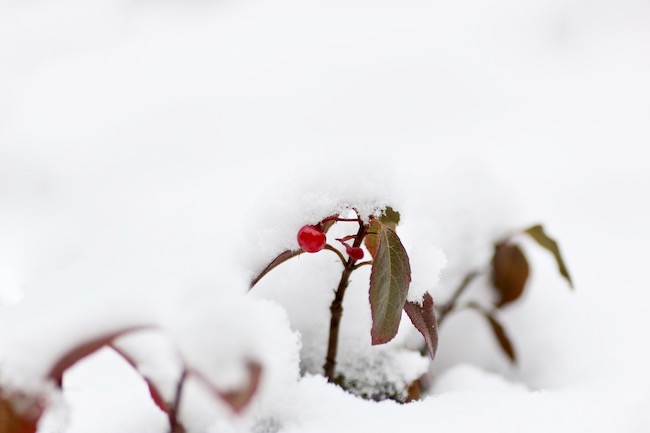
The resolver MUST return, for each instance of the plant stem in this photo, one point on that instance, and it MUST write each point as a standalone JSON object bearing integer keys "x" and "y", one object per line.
{"x": 358, "y": 265}
{"x": 451, "y": 304}
{"x": 337, "y": 252}
{"x": 336, "y": 309}
{"x": 176, "y": 426}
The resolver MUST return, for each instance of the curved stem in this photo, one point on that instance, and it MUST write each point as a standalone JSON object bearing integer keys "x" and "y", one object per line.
{"x": 341, "y": 219}
{"x": 338, "y": 253}
{"x": 358, "y": 265}
{"x": 336, "y": 310}
{"x": 283, "y": 257}
{"x": 451, "y": 304}
{"x": 174, "y": 411}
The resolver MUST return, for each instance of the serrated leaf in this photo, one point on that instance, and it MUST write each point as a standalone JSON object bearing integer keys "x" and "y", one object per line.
{"x": 389, "y": 283}
{"x": 423, "y": 318}
{"x": 509, "y": 272}
{"x": 539, "y": 235}
{"x": 281, "y": 258}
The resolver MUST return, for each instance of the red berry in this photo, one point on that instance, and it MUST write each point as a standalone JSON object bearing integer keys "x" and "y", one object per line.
{"x": 311, "y": 239}
{"x": 355, "y": 253}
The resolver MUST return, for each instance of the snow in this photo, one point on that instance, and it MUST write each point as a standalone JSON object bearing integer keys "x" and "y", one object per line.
{"x": 156, "y": 155}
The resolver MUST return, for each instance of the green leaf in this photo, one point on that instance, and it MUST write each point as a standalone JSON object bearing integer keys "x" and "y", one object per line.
{"x": 424, "y": 319}
{"x": 499, "y": 332}
{"x": 390, "y": 218}
{"x": 538, "y": 234}
{"x": 389, "y": 283}
{"x": 509, "y": 272}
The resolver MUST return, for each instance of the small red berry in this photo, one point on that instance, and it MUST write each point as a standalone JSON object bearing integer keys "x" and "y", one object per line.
{"x": 355, "y": 253}
{"x": 311, "y": 239}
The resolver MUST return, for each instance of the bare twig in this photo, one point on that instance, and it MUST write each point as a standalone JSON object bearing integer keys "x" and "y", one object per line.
{"x": 451, "y": 304}
{"x": 338, "y": 253}
{"x": 281, "y": 258}
{"x": 358, "y": 265}
{"x": 174, "y": 410}
{"x": 336, "y": 310}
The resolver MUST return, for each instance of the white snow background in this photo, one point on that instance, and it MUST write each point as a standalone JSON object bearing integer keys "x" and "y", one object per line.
{"x": 156, "y": 154}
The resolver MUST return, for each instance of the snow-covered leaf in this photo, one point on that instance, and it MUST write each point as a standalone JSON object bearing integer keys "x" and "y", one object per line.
{"x": 389, "y": 282}
{"x": 390, "y": 218}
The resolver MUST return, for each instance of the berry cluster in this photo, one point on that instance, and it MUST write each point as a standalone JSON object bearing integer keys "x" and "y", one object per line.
{"x": 312, "y": 239}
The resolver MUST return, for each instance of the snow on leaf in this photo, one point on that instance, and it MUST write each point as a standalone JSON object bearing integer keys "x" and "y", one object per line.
{"x": 424, "y": 319}
{"x": 390, "y": 218}
{"x": 389, "y": 282}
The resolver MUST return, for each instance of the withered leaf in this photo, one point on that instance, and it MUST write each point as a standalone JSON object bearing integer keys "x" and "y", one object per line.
{"x": 423, "y": 318}
{"x": 509, "y": 272}
{"x": 539, "y": 235}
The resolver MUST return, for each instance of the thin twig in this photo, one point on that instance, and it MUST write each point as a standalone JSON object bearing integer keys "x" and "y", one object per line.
{"x": 336, "y": 310}
{"x": 174, "y": 427}
{"x": 338, "y": 253}
{"x": 451, "y": 304}
{"x": 281, "y": 258}
{"x": 174, "y": 411}
{"x": 358, "y": 265}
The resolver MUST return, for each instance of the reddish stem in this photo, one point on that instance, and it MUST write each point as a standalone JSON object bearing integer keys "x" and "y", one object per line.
{"x": 336, "y": 310}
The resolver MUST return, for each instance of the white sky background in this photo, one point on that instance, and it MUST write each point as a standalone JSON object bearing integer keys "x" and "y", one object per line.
{"x": 108, "y": 108}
